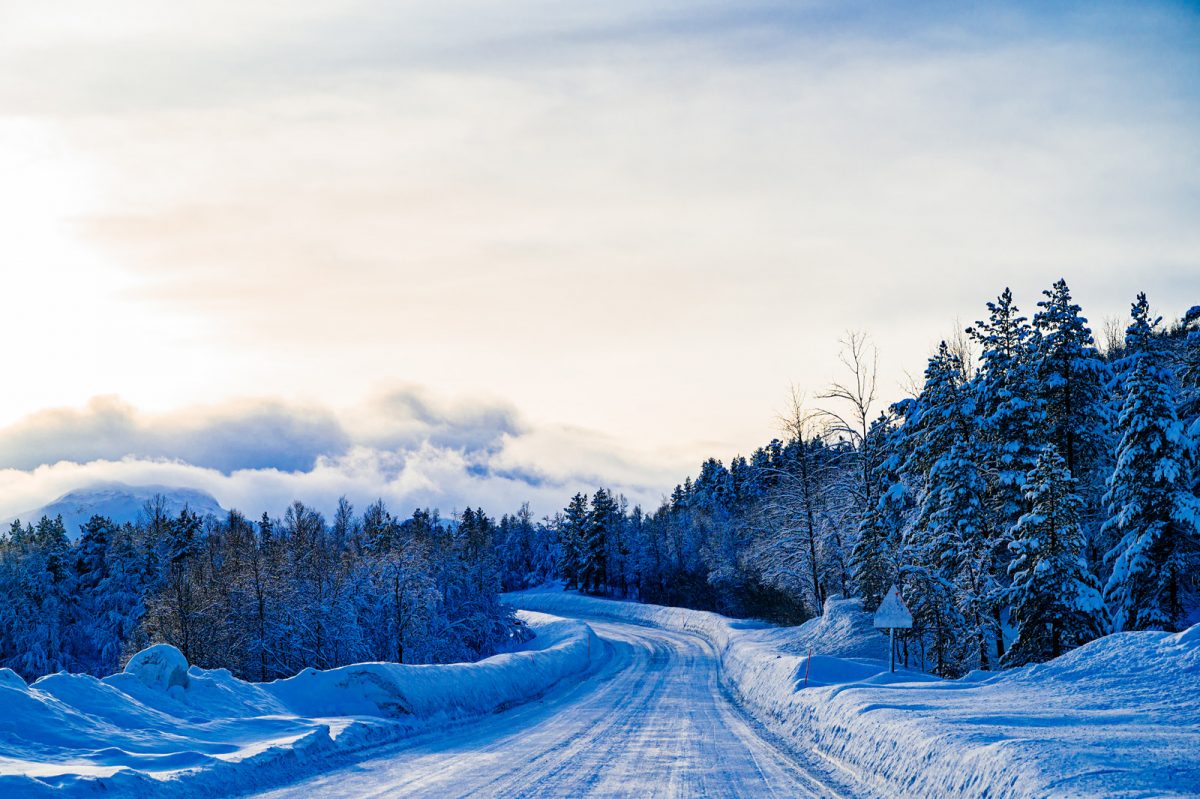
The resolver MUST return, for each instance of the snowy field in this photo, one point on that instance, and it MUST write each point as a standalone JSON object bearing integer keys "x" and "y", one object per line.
{"x": 640, "y": 701}
{"x": 163, "y": 729}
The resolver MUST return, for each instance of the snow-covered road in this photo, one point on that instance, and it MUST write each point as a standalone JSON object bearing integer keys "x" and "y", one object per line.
{"x": 633, "y": 711}
{"x": 650, "y": 721}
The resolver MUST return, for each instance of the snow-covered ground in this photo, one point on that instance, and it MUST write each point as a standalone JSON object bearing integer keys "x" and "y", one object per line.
{"x": 1119, "y": 717}
{"x": 651, "y": 722}
{"x": 161, "y": 728}
{"x": 642, "y": 701}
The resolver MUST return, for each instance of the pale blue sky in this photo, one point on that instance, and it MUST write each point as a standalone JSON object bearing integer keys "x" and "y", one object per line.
{"x": 616, "y": 232}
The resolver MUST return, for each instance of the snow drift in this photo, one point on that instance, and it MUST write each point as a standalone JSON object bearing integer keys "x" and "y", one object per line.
{"x": 1119, "y": 717}
{"x": 165, "y": 728}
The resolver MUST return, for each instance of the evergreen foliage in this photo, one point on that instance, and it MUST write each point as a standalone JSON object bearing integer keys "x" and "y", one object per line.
{"x": 1153, "y": 513}
{"x": 981, "y": 495}
{"x": 1055, "y": 599}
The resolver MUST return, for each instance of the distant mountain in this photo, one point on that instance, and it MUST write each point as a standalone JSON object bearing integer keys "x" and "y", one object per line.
{"x": 119, "y": 502}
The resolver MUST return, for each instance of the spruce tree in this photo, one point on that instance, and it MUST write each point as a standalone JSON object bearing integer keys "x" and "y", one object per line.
{"x": 1071, "y": 378}
{"x": 121, "y": 604}
{"x": 942, "y": 413}
{"x": 571, "y": 543}
{"x": 1070, "y": 374}
{"x": 1056, "y": 601}
{"x": 41, "y": 604}
{"x": 1153, "y": 515}
{"x": 91, "y": 571}
{"x": 1011, "y": 421}
{"x": 1007, "y": 404}
{"x": 600, "y": 526}
{"x": 1189, "y": 371}
{"x": 944, "y": 548}
{"x": 1142, "y": 333}
{"x": 1139, "y": 336}
{"x": 952, "y": 541}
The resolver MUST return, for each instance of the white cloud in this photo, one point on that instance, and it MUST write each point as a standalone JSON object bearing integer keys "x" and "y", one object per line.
{"x": 408, "y": 447}
{"x": 642, "y": 218}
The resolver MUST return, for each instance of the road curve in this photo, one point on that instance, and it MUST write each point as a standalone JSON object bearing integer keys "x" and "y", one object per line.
{"x": 651, "y": 721}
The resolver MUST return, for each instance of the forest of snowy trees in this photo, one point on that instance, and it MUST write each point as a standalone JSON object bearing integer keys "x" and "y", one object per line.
{"x": 263, "y": 599}
{"x": 1037, "y": 490}
{"x": 1033, "y": 493}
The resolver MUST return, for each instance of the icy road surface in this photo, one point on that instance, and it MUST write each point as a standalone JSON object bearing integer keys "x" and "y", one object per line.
{"x": 651, "y": 721}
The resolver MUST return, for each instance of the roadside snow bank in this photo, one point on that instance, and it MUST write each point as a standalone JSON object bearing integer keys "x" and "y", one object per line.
{"x": 161, "y": 728}
{"x": 561, "y": 648}
{"x": 1119, "y": 717}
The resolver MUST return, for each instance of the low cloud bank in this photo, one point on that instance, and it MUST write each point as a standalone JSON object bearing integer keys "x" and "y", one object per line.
{"x": 405, "y": 446}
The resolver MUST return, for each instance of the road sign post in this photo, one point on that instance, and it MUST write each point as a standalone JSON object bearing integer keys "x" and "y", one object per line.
{"x": 893, "y": 614}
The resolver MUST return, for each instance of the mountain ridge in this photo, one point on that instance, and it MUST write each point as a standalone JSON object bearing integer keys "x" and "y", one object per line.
{"x": 120, "y": 502}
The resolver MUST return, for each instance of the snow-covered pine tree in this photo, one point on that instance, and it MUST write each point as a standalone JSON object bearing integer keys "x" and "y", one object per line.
{"x": 1007, "y": 404}
{"x": 942, "y": 413}
{"x": 952, "y": 541}
{"x": 1056, "y": 600}
{"x": 513, "y": 542}
{"x": 1142, "y": 333}
{"x": 42, "y": 601}
{"x": 1139, "y": 336}
{"x": 89, "y": 636}
{"x": 713, "y": 512}
{"x": 935, "y": 618}
{"x": 122, "y": 595}
{"x": 1183, "y": 340}
{"x": 1070, "y": 374}
{"x": 601, "y": 522}
{"x": 1071, "y": 378}
{"x": 618, "y": 548}
{"x": 1153, "y": 514}
{"x": 378, "y": 527}
{"x": 570, "y": 541}
{"x": 942, "y": 546}
{"x": 1011, "y": 421}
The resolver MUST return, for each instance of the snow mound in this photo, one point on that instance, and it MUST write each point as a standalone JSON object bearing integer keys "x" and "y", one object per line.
{"x": 392, "y": 690}
{"x": 843, "y": 630}
{"x": 1119, "y": 717}
{"x": 161, "y": 666}
{"x": 161, "y": 728}
{"x": 10, "y": 678}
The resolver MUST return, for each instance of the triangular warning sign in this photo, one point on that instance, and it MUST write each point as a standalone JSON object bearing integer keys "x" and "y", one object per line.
{"x": 893, "y": 613}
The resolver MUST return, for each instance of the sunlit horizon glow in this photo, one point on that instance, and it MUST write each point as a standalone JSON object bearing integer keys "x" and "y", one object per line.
{"x": 482, "y": 254}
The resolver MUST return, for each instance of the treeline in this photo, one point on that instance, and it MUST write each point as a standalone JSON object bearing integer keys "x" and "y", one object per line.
{"x": 1033, "y": 493}
{"x": 267, "y": 598}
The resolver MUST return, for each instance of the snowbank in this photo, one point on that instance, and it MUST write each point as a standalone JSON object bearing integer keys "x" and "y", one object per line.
{"x": 161, "y": 728}
{"x": 1119, "y": 717}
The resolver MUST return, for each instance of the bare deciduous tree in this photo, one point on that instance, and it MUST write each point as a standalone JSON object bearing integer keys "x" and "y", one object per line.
{"x": 858, "y": 393}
